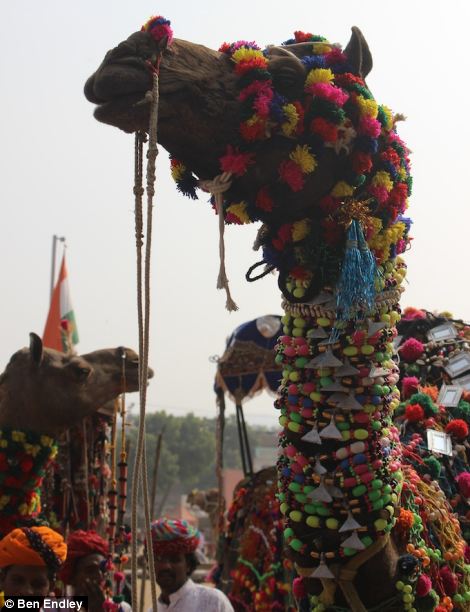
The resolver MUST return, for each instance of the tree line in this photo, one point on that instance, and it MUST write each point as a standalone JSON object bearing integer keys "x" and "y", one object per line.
{"x": 188, "y": 452}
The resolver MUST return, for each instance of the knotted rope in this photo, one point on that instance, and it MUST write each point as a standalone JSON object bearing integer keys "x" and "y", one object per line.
{"x": 217, "y": 187}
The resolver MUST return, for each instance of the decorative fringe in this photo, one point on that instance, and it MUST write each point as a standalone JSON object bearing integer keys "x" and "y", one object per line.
{"x": 356, "y": 286}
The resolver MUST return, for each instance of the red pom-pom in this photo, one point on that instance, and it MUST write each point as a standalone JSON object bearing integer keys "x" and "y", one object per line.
{"x": 411, "y": 350}
{"x": 414, "y": 413}
{"x": 298, "y": 588}
{"x": 457, "y": 428}
{"x": 463, "y": 480}
{"x": 409, "y": 386}
{"x": 423, "y": 585}
{"x": 449, "y": 580}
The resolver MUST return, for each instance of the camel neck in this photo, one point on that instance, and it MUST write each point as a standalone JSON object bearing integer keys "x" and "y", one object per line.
{"x": 24, "y": 457}
{"x": 339, "y": 469}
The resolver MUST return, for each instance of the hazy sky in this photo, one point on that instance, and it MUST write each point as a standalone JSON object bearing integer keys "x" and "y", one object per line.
{"x": 64, "y": 173}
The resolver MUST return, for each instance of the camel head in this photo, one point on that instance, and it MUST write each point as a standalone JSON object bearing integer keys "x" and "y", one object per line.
{"x": 310, "y": 152}
{"x": 47, "y": 391}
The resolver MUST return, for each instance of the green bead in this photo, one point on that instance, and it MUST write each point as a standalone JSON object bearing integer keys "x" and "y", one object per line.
{"x": 292, "y": 426}
{"x": 332, "y": 523}
{"x": 323, "y": 511}
{"x": 296, "y": 544}
{"x": 380, "y": 524}
{"x": 361, "y": 434}
{"x": 349, "y": 552}
{"x": 301, "y": 498}
{"x": 359, "y": 490}
{"x": 377, "y": 484}
{"x": 300, "y": 362}
{"x": 295, "y": 515}
{"x": 296, "y": 417}
{"x": 278, "y": 359}
{"x": 295, "y": 487}
{"x": 367, "y": 541}
{"x": 309, "y": 509}
{"x": 288, "y": 532}
{"x": 299, "y": 292}
{"x": 313, "y": 521}
{"x": 298, "y": 322}
{"x": 378, "y": 505}
{"x": 374, "y": 495}
{"x": 297, "y": 332}
{"x": 284, "y": 508}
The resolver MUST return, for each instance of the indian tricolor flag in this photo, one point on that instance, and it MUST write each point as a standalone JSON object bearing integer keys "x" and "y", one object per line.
{"x": 60, "y": 332}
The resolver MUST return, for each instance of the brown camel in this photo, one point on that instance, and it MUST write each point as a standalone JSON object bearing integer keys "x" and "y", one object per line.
{"x": 330, "y": 182}
{"x": 42, "y": 393}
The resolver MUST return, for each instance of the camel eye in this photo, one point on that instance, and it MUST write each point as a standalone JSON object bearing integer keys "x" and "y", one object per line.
{"x": 82, "y": 373}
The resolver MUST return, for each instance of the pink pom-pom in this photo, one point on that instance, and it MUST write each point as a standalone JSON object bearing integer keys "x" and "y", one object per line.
{"x": 411, "y": 350}
{"x": 370, "y": 127}
{"x": 466, "y": 554}
{"x": 298, "y": 588}
{"x": 411, "y": 313}
{"x": 463, "y": 480}
{"x": 409, "y": 386}
{"x": 449, "y": 580}
{"x": 328, "y": 92}
{"x": 423, "y": 585}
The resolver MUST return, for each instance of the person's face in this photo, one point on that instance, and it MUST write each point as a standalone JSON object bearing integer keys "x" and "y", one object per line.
{"x": 88, "y": 569}
{"x": 22, "y": 580}
{"x": 171, "y": 571}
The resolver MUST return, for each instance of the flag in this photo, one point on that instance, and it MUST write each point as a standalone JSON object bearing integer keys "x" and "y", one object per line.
{"x": 60, "y": 332}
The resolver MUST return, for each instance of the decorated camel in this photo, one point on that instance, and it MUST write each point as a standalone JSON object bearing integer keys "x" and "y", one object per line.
{"x": 292, "y": 137}
{"x": 42, "y": 393}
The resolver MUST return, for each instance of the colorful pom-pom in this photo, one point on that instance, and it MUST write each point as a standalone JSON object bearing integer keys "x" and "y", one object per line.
{"x": 457, "y": 428}
{"x": 411, "y": 350}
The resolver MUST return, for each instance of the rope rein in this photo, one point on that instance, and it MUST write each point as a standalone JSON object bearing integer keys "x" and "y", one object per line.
{"x": 143, "y": 308}
{"x": 217, "y": 187}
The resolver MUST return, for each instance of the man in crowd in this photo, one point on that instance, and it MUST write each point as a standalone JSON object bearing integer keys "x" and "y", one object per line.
{"x": 174, "y": 544}
{"x": 29, "y": 561}
{"x": 85, "y": 568}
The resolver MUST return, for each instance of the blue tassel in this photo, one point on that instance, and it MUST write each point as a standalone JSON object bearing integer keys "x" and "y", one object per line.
{"x": 356, "y": 286}
{"x": 369, "y": 270}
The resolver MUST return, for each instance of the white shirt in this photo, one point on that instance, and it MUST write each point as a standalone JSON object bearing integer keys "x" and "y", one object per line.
{"x": 192, "y": 597}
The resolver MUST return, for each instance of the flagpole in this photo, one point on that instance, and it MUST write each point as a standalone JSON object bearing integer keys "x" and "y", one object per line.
{"x": 55, "y": 238}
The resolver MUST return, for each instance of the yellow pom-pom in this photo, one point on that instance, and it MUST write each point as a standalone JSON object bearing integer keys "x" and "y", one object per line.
{"x": 368, "y": 108}
{"x": 319, "y": 75}
{"x": 382, "y": 179}
{"x": 342, "y": 189}
{"x": 239, "y": 211}
{"x": 300, "y": 230}
{"x": 302, "y": 157}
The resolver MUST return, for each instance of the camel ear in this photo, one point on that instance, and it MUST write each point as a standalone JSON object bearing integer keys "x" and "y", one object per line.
{"x": 358, "y": 53}
{"x": 35, "y": 348}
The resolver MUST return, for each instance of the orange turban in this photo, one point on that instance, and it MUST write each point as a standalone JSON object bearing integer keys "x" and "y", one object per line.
{"x": 33, "y": 546}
